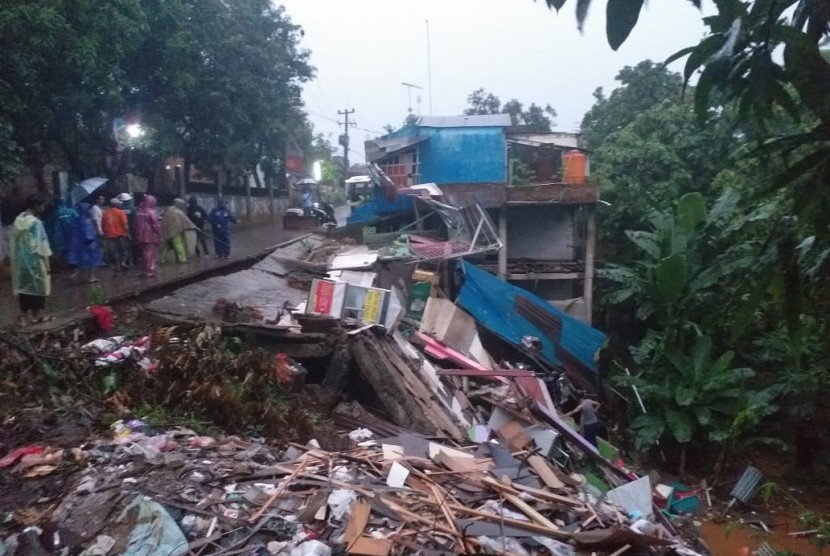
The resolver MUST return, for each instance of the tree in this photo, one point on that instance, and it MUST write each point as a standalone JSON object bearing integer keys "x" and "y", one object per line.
{"x": 681, "y": 284}
{"x": 535, "y": 117}
{"x": 218, "y": 82}
{"x": 740, "y": 64}
{"x": 60, "y": 108}
{"x": 481, "y": 102}
{"x": 224, "y": 80}
{"x": 641, "y": 87}
{"x": 648, "y": 149}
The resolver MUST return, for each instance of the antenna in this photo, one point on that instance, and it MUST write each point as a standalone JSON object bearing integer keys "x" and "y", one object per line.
{"x": 429, "y": 68}
{"x": 409, "y": 87}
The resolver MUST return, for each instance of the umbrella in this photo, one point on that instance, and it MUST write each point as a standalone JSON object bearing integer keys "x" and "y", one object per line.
{"x": 86, "y": 188}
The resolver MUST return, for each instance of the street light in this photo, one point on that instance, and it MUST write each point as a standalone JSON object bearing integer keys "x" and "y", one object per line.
{"x": 134, "y": 131}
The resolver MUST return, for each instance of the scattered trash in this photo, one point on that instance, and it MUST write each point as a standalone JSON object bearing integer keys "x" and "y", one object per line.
{"x": 155, "y": 532}
{"x": 359, "y": 435}
{"x": 748, "y": 484}
{"x": 340, "y": 502}
{"x": 472, "y": 459}
{"x": 103, "y": 544}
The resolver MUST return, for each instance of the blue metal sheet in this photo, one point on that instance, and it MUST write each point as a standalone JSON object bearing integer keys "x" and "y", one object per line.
{"x": 458, "y": 154}
{"x": 492, "y": 302}
{"x": 379, "y": 206}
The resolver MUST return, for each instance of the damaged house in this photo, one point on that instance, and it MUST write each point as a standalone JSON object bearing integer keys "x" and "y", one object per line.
{"x": 534, "y": 185}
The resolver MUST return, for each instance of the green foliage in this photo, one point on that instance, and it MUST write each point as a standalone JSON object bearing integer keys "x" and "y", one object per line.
{"x": 520, "y": 172}
{"x": 539, "y": 118}
{"x": 154, "y": 415}
{"x": 96, "y": 295}
{"x": 694, "y": 391}
{"x": 217, "y": 82}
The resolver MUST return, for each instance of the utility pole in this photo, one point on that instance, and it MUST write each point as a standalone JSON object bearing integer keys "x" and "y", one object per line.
{"x": 344, "y": 140}
{"x": 429, "y": 68}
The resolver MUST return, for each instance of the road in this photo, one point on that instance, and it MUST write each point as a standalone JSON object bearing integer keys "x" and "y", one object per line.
{"x": 70, "y": 297}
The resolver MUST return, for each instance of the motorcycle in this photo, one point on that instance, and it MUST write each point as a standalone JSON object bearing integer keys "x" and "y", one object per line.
{"x": 324, "y": 213}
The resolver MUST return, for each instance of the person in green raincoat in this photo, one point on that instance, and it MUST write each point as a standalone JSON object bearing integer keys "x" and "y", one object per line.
{"x": 29, "y": 254}
{"x": 174, "y": 224}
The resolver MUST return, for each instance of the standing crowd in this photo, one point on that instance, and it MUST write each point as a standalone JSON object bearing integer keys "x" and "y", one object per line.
{"x": 119, "y": 234}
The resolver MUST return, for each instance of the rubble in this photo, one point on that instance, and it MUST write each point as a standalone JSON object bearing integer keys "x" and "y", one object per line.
{"x": 461, "y": 450}
{"x": 402, "y": 494}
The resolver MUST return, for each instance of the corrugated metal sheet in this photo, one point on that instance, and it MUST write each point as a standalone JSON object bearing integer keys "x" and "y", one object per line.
{"x": 748, "y": 485}
{"x": 540, "y": 233}
{"x": 377, "y": 149}
{"x": 455, "y": 152}
{"x": 556, "y": 138}
{"x": 492, "y": 302}
{"x": 477, "y": 120}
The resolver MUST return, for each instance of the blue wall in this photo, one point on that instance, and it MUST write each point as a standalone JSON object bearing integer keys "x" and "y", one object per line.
{"x": 459, "y": 154}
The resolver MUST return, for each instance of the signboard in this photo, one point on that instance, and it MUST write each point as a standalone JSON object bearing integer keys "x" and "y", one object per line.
{"x": 366, "y": 305}
{"x": 418, "y": 295}
{"x": 326, "y": 297}
{"x": 363, "y": 304}
{"x": 372, "y": 305}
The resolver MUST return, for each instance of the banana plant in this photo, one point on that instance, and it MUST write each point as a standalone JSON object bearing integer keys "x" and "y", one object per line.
{"x": 691, "y": 260}
{"x": 697, "y": 396}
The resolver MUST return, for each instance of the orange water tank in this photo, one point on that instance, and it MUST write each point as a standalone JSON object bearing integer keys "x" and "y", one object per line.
{"x": 573, "y": 167}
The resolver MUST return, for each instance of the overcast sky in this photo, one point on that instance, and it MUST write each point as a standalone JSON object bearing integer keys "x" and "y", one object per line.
{"x": 364, "y": 49}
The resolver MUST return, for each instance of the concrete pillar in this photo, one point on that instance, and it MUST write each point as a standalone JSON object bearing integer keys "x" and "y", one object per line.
{"x": 248, "y": 203}
{"x": 503, "y": 240}
{"x": 590, "y": 245}
{"x": 179, "y": 179}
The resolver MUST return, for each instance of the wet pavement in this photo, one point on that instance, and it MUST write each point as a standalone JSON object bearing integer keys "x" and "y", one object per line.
{"x": 69, "y": 297}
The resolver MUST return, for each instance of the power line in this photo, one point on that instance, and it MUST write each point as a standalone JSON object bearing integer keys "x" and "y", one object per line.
{"x": 369, "y": 130}
{"x": 318, "y": 114}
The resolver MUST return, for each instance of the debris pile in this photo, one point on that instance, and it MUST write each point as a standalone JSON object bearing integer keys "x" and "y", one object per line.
{"x": 173, "y": 492}
{"x": 194, "y": 371}
{"x": 464, "y": 450}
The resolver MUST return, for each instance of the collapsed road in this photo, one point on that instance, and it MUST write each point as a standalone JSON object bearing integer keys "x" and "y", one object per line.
{"x": 337, "y": 401}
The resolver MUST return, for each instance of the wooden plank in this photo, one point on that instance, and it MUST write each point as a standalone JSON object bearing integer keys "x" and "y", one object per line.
{"x": 518, "y": 523}
{"x": 513, "y": 433}
{"x": 357, "y": 522}
{"x": 435, "y": 411}
{"x": 530, "y": 511}
{"x": 471, "y": 476}
{"x": 285, "y": 484}
{"x": 543, "y": 469}
{"x": 514, "y": 488}
{"x": 367, "y": 546}
{"x": 621, "y": 550}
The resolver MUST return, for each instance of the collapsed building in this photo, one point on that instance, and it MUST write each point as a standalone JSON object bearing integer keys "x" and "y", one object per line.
{"x": 462, "y": 367}
{"x": 449, "y": 360}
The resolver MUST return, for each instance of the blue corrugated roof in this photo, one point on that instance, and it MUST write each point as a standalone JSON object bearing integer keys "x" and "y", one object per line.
{"x": 492, "y": 302}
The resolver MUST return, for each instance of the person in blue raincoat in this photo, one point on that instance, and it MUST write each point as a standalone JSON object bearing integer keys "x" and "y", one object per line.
{"x": 220, "y": 221}
{"x": 84, "y": 245}
{"x": 59, "y": 228}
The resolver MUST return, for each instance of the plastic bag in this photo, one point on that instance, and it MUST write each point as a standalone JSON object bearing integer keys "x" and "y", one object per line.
{"x": 340, "y": 501}
{"x": 155, "y": 533}
{"x": 311, "y": 548}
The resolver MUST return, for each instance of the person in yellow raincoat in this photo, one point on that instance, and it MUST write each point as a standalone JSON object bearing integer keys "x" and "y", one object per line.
{"x": 29, "y": 254}
{"x": 174, "y": 224}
